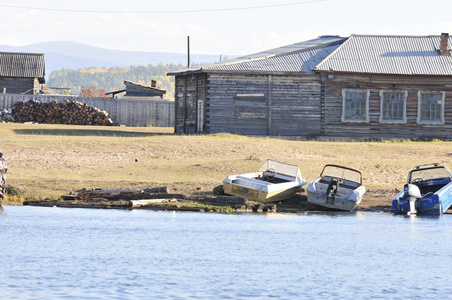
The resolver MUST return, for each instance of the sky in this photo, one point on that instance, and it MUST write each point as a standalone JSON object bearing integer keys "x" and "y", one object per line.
{"x": 230, "y": 27}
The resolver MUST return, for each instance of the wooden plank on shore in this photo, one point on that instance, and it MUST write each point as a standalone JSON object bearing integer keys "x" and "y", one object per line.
{"x": 144, "y": 202}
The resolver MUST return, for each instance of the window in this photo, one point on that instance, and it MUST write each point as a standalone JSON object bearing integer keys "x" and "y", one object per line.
{"x": 355, "y": 105}
{"x": 393, "y": 106}
{"x": 430, "y": 107}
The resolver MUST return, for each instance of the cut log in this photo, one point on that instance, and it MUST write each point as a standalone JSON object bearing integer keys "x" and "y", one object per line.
{"x": 144, "y": 202}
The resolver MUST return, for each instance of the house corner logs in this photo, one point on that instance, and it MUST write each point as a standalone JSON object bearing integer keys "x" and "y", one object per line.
{"x": 67, "y": 112}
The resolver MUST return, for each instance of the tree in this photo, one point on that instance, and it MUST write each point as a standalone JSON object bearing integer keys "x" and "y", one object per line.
{"x": 92, "y": 92}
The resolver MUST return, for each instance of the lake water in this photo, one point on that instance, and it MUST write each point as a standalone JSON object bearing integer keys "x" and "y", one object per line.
{"x": 63, "y": 253}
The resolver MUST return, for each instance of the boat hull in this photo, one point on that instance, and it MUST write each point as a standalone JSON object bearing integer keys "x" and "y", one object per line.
{"x": 432, "y": 204}
{"x": 3, "y": 170}
{"x": 339, "y": 203}
{"x": 259, "y": 195}
{"x": 428, "y": 191}
{"x": 345, "y": 199}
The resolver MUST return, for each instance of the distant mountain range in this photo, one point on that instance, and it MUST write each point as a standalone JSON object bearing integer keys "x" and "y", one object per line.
{"x": 70, "y": 55}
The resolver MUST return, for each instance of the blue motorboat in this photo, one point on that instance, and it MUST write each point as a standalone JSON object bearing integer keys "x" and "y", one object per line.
{"x": 428, "y": 191}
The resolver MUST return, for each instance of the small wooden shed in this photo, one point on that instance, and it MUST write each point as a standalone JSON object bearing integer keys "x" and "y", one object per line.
{"x": 275, "y": 92}
{"x": 21, "y": 73}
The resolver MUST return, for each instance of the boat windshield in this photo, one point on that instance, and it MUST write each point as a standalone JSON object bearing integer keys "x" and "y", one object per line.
{"x": 429, "y": 174}
{"x": 280, "y": 168}
{"x": 341, "y": 172}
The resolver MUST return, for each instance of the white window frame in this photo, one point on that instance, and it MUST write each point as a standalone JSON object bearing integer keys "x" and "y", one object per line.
{"x": 403, "y": 120}
{"x": 441, "y": 120}
{"x": 344, "y": 119}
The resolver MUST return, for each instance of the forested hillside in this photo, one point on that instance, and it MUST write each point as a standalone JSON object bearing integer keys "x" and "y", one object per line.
{"x": 111, "y": 79}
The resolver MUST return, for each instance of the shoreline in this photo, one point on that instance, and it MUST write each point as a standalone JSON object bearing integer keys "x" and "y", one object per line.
{"x": 160, "y": 199}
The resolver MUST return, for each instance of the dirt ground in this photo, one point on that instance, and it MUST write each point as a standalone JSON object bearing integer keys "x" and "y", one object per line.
{"x": 378, "y": 200}
{"x": 47, "y": 161}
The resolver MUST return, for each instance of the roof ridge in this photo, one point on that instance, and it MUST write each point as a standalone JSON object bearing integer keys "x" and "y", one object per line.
{"x": 332, "y": 53}
{"x": 394, "y": 35}
{"x": 313, "y": 47}
{"x": 21, "y": 53}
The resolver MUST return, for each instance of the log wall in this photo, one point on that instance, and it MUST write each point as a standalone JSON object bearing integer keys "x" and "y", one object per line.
{"x": 129, "y": 112}
{"x": 11, "y": 85}
{"x": 252, "y": 104}
{"x": 332, "y": 106}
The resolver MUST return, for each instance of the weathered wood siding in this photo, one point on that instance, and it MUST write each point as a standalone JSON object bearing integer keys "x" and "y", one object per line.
{"x": 332, "y": 106}
{"x": 129, "y": 112}
{"x": 296, "y": 105}
{"x": 237, "y": 104}
{"x": 12, "y": 85}
{"x": 264, "y": 104}
{"x": 190, "y": 103}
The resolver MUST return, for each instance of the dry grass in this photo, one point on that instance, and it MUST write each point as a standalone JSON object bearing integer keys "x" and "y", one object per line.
{"x": 51, "y": 160}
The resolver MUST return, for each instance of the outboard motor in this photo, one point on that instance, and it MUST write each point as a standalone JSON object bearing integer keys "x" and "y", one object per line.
{"x": 332, "y": 190}
{"x": 411, "y": 192}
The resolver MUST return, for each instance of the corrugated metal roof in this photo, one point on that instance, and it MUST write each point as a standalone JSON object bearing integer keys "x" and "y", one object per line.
{"x": 299, "y": 57}
{"x": 28, "y": 65}
{"x": 404, "y": 55}
{"x": 302, "y": 61}
{"x": 301, "y": 46}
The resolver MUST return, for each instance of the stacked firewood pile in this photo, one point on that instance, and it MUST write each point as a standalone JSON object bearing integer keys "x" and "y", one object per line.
{"x": 67, "y": 112}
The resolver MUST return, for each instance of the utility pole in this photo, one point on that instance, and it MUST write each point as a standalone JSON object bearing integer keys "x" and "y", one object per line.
{"x": 188, "y": 52}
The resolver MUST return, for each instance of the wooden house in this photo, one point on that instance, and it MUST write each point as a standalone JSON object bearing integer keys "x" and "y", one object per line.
{"x": 275, "y": 92}
{"x": 388, "y": 86}
{"x": 362, "y": 86}
{"x": 21, "y": 73}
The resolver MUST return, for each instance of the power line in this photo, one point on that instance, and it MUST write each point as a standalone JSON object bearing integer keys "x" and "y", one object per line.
{"x": 160, "y": 11}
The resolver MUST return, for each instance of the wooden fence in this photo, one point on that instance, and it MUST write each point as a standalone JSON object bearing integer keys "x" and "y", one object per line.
{"x": 129, "y": 112}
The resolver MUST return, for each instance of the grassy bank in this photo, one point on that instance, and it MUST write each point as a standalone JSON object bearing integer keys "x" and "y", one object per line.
{"x": 51, "y": 160}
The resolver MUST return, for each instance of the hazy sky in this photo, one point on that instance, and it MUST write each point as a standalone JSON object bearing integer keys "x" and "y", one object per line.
{"x": 215, "y": 27}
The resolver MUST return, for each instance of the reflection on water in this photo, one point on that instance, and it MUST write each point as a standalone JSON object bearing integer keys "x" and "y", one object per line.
{"x": 56, "y": 253}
